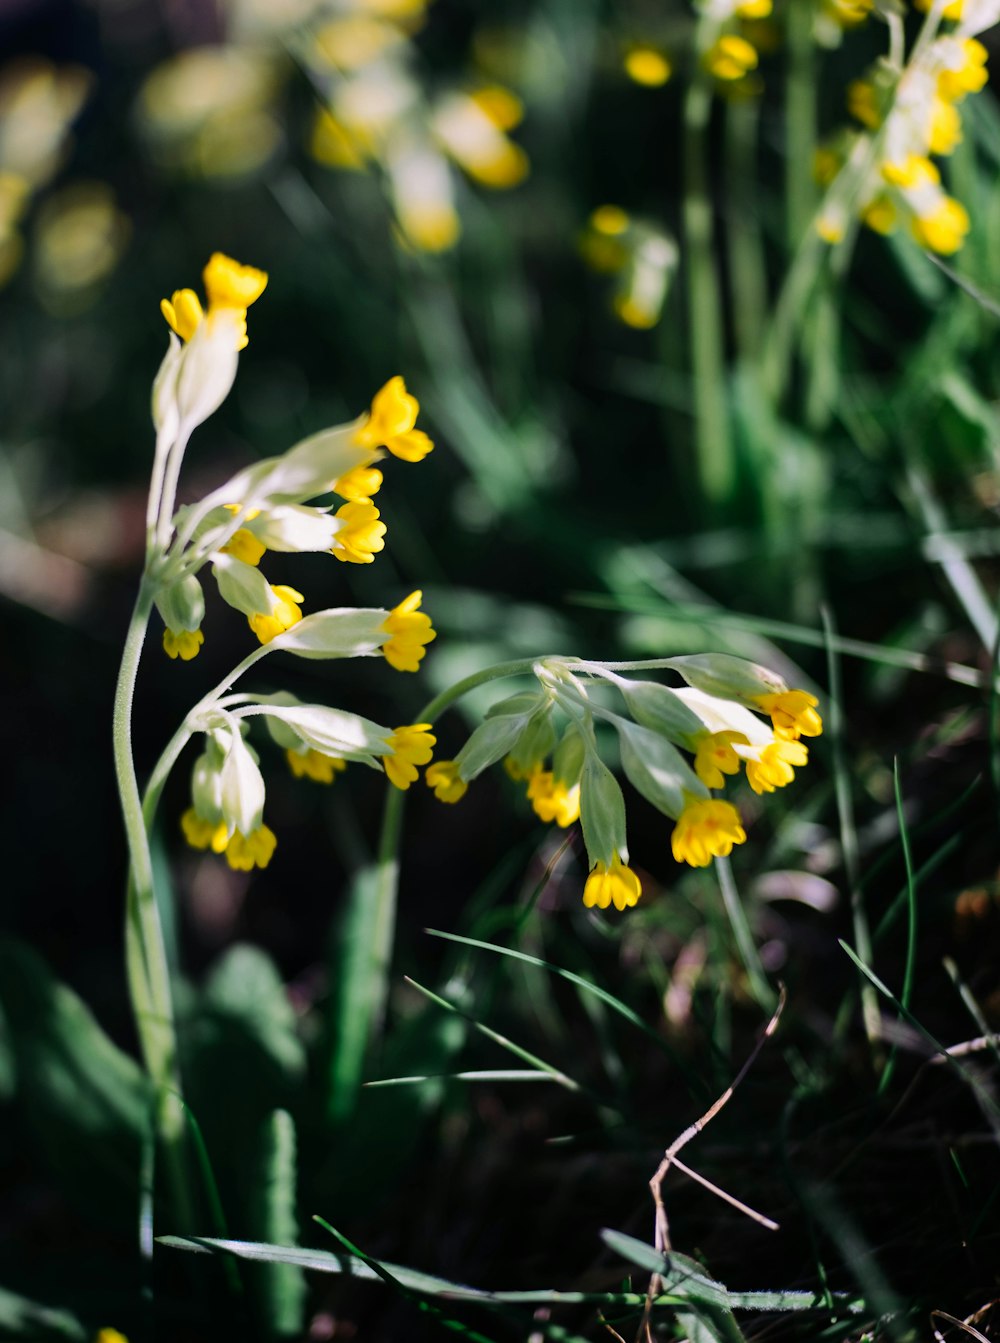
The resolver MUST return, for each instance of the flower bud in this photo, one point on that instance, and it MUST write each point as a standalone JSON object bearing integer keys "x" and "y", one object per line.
{"x": 242, "y": 787}
{"x": 329, "y": 731}
{"x": 181, "y": 604}
{"x": 207, "y": 367}
{"x": 341, "y": 632}
{"x": 166, "y": 416}
{"x": 727, "y": 676}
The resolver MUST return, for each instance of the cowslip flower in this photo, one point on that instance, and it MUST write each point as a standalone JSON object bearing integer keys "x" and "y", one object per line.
{"x": 361, "y": 535}
{"x": 793, "y": 713}
{"x": 183, "y": 644}
{"x": 409, "y": 631}
{"x": 409, "y": 747}
{"x": 444, "y": 777}
{"x": 307, "y": 763}
{"x": 553, "y": 799}
{"x": 391, "y": 422}
{"x": 229, "y": 287}
{"x": 612, "y": 883}
{"x": 284, "y": 612}
{"x": 706, "y": 829}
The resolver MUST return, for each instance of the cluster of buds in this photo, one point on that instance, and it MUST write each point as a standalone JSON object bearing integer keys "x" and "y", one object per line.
{"x": 676, "y": 747}
{"x": 910, "y": 115}
{"x": 266, "y": 507}
{"x": 641, "y": 256}
{"x": 375, "y": 112}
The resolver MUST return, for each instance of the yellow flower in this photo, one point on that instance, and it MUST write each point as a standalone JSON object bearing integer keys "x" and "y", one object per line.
{"x": 310, "y": 764}
{"x": 110, "y": 1336}
{"x": 245, "y": 546}
{"x": 410, "y": 629}
{"x": 361, "y": 482}
{"x": 863, "y": 103}
{"x": 880, "y": 214}
{"x": 730, "y": 58}
{"x": 706, "y": 829}
{"x": 283, "y": 615}
{"x": 649, "y": 67}
{"x": 773, "y": 768}
{"x": 408, "y": 747}
{"x": 714, "y": 757}
{"x": 202, "y": 834}
{"x": 952, "y": 10}
{"x": 969, "y": 77}
{"x": 944, "y": 130}
{"x": 616, "y": 885}
{"x": 442, "y": 776}
{"x": 792, "y": 712}
{"x": 391, "y": 423}
{"x": 552, "y": 800}
{"x": 362, "y": 535}
{"x": 183, "y": 644}
{"x": 245, "y": 852}
{"x": 943, "y": 230}
{"x": 183, "y": 312}
{"x": 230, "y": 285}
{"x": 517, "y": 772}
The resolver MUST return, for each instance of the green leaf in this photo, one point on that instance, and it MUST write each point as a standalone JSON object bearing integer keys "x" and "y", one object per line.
{"x": 245, "y": 988}
{"x": 21, "y": 1318}
{"x": 280, "y": 1288}
{"x": 86, "y": 1102}
{"x": 357, "y": 980}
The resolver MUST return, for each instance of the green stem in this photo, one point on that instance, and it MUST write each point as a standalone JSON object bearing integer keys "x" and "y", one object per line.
{"x": 800, "y": 120}
{"x": 148, "y": 973}
{"x": 746, "y": 252}
{"x": 713, "y": 445}
{"x": 743, "y": 934}
{"x": 387, "y": 857}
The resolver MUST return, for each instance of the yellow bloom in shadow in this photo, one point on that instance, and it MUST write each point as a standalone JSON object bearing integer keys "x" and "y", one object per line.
{"x": 408, "y": 747}
{"x": 707, "y": 828}
{"x": 552, "y": 800}
{"x": 776, "y": 764}
{"x": 616, "y": 885}
{"x": 183, "y": 644}
{"x": 443, "y": 777}
{"x": 715, "y": 757}
{"x": 245, "y": 852}
{"x": 310, "y": 764}
{"x": 285, "y": 613}
{"x": 362, "y": 535}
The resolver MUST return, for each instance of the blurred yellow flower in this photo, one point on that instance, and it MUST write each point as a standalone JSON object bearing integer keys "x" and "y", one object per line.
{"x": 444, "y": 778}
{"x": 647, "y": 66}
{"x": 409, "y": 747}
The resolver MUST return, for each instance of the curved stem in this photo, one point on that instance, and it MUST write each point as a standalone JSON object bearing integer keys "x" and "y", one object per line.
{"x": 148, "y": 973}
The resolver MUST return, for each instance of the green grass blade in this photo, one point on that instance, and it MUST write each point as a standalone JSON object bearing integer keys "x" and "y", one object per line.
{"x": 280, "y": 1289}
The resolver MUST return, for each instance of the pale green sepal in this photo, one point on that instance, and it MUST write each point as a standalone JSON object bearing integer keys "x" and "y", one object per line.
{"x": 206, "y": 783}
{"x": 341, "y": 632}
{"x": 660, "y": 709}
{"x": 181, "y": 604}
{"x": 602, "y": 813}
{"x": 491, "y": 741}
{"x": 655, "y": 768}
{"x": 727, "y": 676}
{"x": 207, "y": 369}
{"x": 570, "y": 754}
{"x": 166, "y": 416}
{"x": 525, "y": 702}
{"x": 304, "y": 471}
{"x": 242, "y": 793}
{"x": 330, "y": 731}
{"x": 293, "y": 528}
{"x": 243, "y": 586}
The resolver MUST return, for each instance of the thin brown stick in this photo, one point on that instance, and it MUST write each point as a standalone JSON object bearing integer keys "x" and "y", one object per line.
{"x": 961, "y": 1324}
{"x": 661, "y": 1232}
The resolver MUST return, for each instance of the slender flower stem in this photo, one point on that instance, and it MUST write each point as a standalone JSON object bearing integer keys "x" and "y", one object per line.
{"x": 713, "y": 443}
{"x": 800, "y": 120}
{"x": 148, "y": 973}
{"x": 746, "y": 250}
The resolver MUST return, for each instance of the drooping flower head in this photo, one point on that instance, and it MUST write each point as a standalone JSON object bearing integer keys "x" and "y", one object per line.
{"x": 612, "y": 884}
{"x": 229, "y": 287}
{"x": 409, "y": 746}
{"x": 391, "y": 423}
{"x": 448, "y": 785}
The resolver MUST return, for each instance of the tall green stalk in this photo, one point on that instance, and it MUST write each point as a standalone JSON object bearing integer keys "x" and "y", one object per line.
{"x": 712, "y": 436}
{"x": 146, "y": 958}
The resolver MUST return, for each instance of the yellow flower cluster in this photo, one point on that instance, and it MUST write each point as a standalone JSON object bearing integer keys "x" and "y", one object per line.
{"x": 376, "y": 113}
{"x": 717, "y": 720}
{"x": 641, "y": 256}
{"x": 908, "y": 118}
{"x": 266, "y": 507}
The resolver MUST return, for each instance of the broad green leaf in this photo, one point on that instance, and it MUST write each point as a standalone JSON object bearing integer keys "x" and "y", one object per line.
{"x": 85, "y": 1101}
{"x": 245, "y": 987}
{"x": 357, "y": 992}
